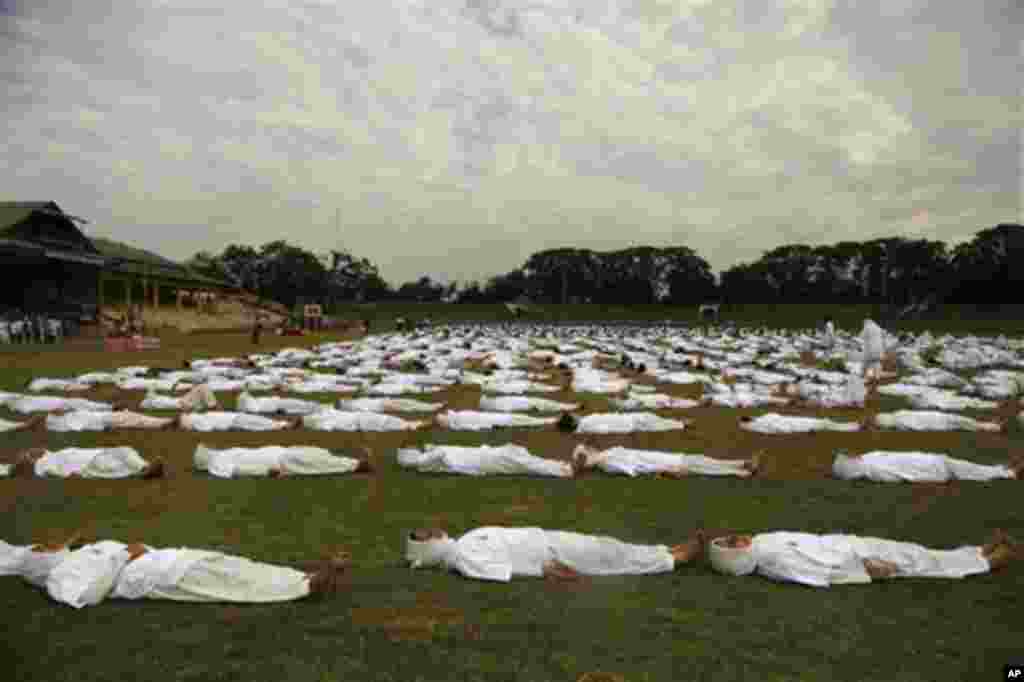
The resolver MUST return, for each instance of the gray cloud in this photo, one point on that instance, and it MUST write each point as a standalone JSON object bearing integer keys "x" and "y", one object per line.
{"x": 459, "y": 136}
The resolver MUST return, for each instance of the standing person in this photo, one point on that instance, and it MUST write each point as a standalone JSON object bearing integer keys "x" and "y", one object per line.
{"x": 830, "y": 332}
{"x": 873, "y": 340}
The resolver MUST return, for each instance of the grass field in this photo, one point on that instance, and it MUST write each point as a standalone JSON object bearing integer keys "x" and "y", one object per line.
{"x": 391, "y": 623}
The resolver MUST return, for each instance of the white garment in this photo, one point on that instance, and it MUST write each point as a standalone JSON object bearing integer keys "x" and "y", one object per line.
{"x": 275, "y": 405}
{"x": 230, "y": 421}
{"x": 88, "y": 574}
{"x": 524, "y": 404}
{"x": 922, "y": 420}
{"x": 400, "y": 389}
{"x": 481, "y": 461}
{"x": 33, "y": 566}
{"x": 291, "y": 460}
{"x": 517, "y": 387}
{"x": 631, "y": 462}
{"x": 654, "y": 401}
{"x": 121, "y": 462}
{"x": 27, "y": 405}
{"x": 330, "y": 419}
{"x": 469, "y": 420}
{"x": 43, "y": 384}
{"x": 497, "y": 553}
{"x": 777, "y": 423}
{"x": 203, "y": 576}
{"x": 387, "y": 405}
{"x": 873, "y": 341}
{"x": 627, "y": 423}
{"x": 823, "y": 560}
{"x": 82, "y": 420}
{"x": 914, "y": 467}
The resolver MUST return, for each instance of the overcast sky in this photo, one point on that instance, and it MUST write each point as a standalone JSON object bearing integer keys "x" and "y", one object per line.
{"x": 457, "y": 137}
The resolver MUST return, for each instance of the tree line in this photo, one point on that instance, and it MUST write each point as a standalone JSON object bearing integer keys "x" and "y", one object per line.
{"x": 894, "y": 270}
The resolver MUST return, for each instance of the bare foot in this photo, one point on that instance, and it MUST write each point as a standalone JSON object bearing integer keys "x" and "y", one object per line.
{"x": 154, "y": 470}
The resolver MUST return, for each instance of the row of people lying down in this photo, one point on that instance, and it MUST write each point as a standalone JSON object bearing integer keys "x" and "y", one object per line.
{"x": 331, "y": 419}
{"x": 89, "y": 574}
{"x": 304, "y": 460}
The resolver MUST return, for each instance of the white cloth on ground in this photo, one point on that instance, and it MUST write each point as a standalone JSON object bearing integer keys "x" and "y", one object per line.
{"x": 481, "y": 461}
{"x": 914, "y": 467}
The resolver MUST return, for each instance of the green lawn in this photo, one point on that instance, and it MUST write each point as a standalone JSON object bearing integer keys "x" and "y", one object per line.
{"x": 391, "y": 623}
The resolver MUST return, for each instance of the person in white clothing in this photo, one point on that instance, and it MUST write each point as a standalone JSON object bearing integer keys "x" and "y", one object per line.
{"x": 330, "y": 419}
{"x": 34, "y": 562}
{"x": 86, "y": 420}
{"x": 824, "y": 560}
{"x": 470, "y": 420}
{"x": 499, "y": 553}
{"x": 482, "y": 461}
{"x": 276, "y": 461}
{"x": 234, "y": 421}
{"x": 779, "y": 424}
{"x": 94, "y": 572}
{"x": 629, "y": 422}
{"x": 116, "y": 462}
{"x": 930, "y": 420}
{"x": 275, "y": 405}
{"x": 919, "y": 467}
{"x": 873, "y": 342}
{"x": 632, "y": 462}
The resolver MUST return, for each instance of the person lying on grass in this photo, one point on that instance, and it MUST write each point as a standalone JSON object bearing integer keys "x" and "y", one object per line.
{"x": 632, "y": 462}
{"x": 484, "y": 460}
{"x": 90, "y": 574}
{"x": 114, "y": 462}
{"x": 275, "y": 461}
{"x": 823, "y": 560}
{"x": 618, "y": 422}
{"x": 119, "y": 418}
{"x": 919, "y": 467}
{"x": 499, "y": 553}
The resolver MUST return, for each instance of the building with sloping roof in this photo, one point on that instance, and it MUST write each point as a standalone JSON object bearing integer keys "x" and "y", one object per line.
{"x": 58, "y": 266}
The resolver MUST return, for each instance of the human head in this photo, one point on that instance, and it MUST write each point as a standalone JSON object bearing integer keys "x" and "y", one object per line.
{"x": 427, "y": 547}
{"x": 732, "y": 554}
